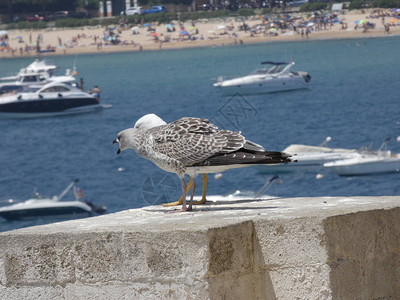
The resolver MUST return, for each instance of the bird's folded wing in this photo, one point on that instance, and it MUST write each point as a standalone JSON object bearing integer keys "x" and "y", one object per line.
{"x": 191, "y": 148}
{"x": 191, "y": 140}
{"x": 173, "y": 131}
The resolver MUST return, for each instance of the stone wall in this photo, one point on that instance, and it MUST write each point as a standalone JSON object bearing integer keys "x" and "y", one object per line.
{"x": 297, "y": 248}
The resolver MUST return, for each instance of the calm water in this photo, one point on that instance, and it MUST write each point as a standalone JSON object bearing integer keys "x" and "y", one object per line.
{"x": 353, "y": 98}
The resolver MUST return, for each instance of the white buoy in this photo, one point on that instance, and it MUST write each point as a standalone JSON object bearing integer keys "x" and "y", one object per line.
{"x": 319, "y": 176}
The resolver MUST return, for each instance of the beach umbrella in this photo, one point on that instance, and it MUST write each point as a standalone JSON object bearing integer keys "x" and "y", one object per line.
{"x": 184, "y": 32}
{"x": 19, "y": 37}
{"x": 155, "y": 34}
{"x": 360, "y": 22}
{"x": 135, "y": 28}
{"x": 169, "y": 26}
{"x": 3, "y": 32}
{"x": 193, "y": 30}
{"x": 310, "y": 24}
{"x": 146, "y": 25}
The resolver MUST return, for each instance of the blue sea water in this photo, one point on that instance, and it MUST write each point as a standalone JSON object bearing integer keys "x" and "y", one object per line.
{"x": 354, "y": 98}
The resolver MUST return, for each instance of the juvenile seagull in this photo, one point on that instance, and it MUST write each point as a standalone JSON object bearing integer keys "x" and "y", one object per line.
{"x": 151, "y": 120}
{"x": 193, "y": 146}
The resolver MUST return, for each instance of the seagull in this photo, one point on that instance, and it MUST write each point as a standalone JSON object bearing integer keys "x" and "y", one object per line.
{"x": 193, "y": 146}
{"x": 152, "y": 120}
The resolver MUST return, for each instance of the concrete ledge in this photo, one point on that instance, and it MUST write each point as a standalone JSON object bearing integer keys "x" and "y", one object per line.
{"x": 296, "y": 248}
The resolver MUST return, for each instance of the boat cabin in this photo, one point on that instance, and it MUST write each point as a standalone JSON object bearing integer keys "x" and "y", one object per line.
{"x": 31, "y": 78}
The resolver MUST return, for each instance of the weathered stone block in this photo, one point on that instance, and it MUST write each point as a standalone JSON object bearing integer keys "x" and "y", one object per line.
{"x": 298, "y": 248}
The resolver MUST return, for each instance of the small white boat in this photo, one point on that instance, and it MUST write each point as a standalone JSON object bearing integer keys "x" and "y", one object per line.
{"x": 38, "y": 66}
{"x": 366, "y": 164}
{"x": 52, "y": 99}
{"x": 267, "y": 80}
{"x": 50, "y": 207}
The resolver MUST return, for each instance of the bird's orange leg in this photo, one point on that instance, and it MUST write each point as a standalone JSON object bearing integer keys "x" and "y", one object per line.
{"x": 203, "y": 196}
{"x": 180, "y": 201}
{"x": 184, "y": 192}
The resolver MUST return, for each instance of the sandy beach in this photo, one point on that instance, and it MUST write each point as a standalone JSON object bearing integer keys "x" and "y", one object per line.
{"x": 211, "y": 33}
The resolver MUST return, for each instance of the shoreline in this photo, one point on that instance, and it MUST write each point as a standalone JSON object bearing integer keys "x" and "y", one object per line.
{"x": 87, "y": 40}
{"x": 203, "y": 44}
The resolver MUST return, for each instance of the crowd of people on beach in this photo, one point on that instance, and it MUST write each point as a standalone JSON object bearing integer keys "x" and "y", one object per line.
{"x": 231, "y": 31}
{"x": 25, "y": 48}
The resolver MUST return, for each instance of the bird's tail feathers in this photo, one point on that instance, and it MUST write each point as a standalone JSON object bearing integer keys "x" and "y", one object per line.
{"x": 247, "y": 158}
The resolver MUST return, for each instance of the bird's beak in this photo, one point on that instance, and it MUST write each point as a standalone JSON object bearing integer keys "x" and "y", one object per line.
{"x": 117, "y": 141}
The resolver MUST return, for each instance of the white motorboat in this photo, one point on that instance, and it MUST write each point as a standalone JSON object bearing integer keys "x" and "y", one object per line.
{"x": 38, "y": 66}
{"x": 266, "y": 80}
{"x": 366, "y": 164}
{"x": 31, "y": 78}
{"x": 50, "y": 207}
{"x": 52, "y": 99}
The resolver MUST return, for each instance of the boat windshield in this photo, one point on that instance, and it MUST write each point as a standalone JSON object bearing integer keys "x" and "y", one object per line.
{"x": 259, "y": 72}
{"x": 32, "y": 78}
{"x": 55, "y": 89}
{"x": 28, "y": 89}
{"x": 274, "y": 70}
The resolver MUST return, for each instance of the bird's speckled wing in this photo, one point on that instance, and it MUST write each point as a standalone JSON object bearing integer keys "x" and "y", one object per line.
{"x": 191, "y": 140}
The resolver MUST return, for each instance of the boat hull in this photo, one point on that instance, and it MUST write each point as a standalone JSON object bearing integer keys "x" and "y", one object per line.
{"x": 48, "y": 212}
{"x": 47, "y": 107}
{"x": 33, "y": 209}
{"x": 366, "y": 168}
{"x": 261, "y": 86}
{"x": 27, "y": 115}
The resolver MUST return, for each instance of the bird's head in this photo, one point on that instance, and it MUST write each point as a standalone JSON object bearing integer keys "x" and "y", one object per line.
{"x": 126, "y": 139}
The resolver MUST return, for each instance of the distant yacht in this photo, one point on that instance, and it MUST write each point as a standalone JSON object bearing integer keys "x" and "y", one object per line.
{"x": 52, "y": 99}
{"x": 39, "y": 207}
{"x": 38, "y": 66}
{"x": 277, "y": 78}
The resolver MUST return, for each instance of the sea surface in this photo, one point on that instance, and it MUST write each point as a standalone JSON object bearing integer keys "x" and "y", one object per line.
{"x": 353, "y": 98}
